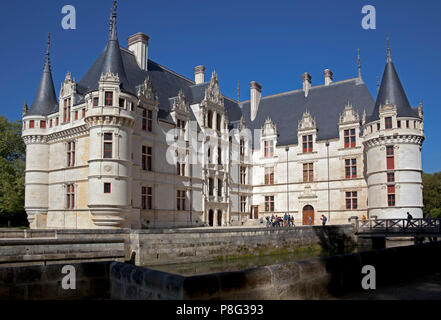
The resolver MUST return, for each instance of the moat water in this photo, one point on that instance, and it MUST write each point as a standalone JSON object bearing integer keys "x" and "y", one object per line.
{"x": 305, "y": 253}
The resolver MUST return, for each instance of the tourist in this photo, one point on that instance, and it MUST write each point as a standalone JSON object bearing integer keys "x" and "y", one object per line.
{"x": 429, "y": 218}
{"x": 285, "y": 220}
{"x": 292, "y": 221}
{"x": 409, "y": 219}
{"x": 363, "y": 218}
{"x": 268, "y": 223}
{"x": 324, "y": 219}
{"x": 310, "y": 220}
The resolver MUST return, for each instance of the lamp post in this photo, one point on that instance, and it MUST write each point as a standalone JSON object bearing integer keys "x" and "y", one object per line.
{"x": 329, "y": 190}
{"x": 287, "y": 179}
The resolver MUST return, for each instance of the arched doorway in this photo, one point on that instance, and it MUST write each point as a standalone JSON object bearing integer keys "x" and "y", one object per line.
{"x": 219, "y": 218}
{"x": 308, "y": 215}
{"x": 210, "y": 218}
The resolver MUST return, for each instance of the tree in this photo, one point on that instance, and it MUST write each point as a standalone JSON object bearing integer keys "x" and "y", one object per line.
{"x": 432, "y": 194}
{"x": 12, "y": 167}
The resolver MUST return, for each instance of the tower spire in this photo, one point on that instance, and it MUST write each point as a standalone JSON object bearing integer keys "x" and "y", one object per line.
{"x": 359, "y": 64}
{"x": 112, "y": 22}
{"x": 238, "y": 91}
{"x": 389, "y": 59}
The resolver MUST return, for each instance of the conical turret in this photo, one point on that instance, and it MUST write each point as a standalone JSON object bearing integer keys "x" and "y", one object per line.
{"x": 45, "y": 101}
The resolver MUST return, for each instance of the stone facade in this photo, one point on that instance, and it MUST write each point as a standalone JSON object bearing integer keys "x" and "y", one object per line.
{"x": 135, "y": 145}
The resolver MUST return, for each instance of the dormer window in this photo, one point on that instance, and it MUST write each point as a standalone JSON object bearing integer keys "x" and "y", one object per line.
{"x": 218, "y": 122}
{"x": 108, "y": 98}
{"x": 349, "y": 136}
{"x": 307, "y": 143}
{"x": 269, "y": 148}
{"x": 210, "y": 119}
{"x": 388, "y": 122}
{"x": 242, "y": 147}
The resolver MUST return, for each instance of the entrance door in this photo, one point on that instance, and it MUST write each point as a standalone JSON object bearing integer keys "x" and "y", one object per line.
{"x": 210, "y": 217}
{"x": 308, "y": 215}
{"x": 256, "y": 212}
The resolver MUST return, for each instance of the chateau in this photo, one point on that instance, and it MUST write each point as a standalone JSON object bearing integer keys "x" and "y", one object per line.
{"x": 136, "y": 145}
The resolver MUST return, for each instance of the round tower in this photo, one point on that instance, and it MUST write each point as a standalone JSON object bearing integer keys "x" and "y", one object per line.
{"x": 392, "y": 139}
{"x": 34, "y": 134}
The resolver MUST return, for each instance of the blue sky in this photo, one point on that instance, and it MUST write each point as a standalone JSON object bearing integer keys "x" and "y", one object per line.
{"x": 272, "y": 42}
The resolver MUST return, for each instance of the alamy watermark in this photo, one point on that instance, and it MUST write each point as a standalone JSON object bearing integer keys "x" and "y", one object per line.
{"x": 69, "y": 21}
{"x": 370, "y": 18}
{"x": 69, "y": 281}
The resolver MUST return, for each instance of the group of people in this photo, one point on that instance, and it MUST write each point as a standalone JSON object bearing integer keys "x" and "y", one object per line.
{"x": 287, "y": 221}
{"x": 275, "y": 221}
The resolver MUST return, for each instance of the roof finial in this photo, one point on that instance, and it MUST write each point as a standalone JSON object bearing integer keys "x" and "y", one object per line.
{"x": 378, "y": 84}
{"x": 389, "y": 59}
{"x": 47, "y": 63}
{"x": 238, "y": 91}
{"x": 359, "y": 64}
{"x": 112, "y": 22}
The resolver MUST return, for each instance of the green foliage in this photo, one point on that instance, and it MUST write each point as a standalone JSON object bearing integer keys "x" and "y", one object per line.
{"x": 432, "y": 194}
{"x": 12, "y": 167}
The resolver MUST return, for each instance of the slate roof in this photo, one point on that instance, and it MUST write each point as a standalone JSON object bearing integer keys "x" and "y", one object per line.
{"x": 45, "y": 100}
{"x": 324, "y": 103}
{"x": 392, "y": 90}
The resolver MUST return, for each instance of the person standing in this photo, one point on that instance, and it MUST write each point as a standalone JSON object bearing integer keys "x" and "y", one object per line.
{"x": 324, "y": 219}
{"x": 409, "y": 219}
{"x": 310, "y": 220}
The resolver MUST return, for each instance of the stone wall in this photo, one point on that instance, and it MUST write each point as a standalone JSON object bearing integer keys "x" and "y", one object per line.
{"x": 44, "y": 282}
{"x": 175, "y": 246}
{"x": 309, "y": 279}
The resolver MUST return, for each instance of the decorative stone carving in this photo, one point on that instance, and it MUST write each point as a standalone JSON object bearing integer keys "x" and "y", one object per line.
{"x": 180, "y": 103}
{"x": 242, "y": 124}
{"x": 307, "y": 122}
{"x": 307, "y": 193}
{"x": 25, "y": 109}
{"x": 212, "y": 93}
{"x": 388, "y": 108}
{"x": 35, "y": 139}
{"x": 109, "y": 77}
{"x": 147, "y": 91}
{"x": 349, "y": 115}
{"x": 420, "y": 110}
{"x": 363, "y": 121}
{"x": 269, "y": 128}
{"x": 69, "y": 86}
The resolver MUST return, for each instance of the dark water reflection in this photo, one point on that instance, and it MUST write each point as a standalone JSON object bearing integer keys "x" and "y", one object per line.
{"x": 206, "y": 267}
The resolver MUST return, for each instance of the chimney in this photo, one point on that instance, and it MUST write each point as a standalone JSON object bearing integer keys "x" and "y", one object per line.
{"x": 256, "y": 93}
{"x": 328, "y": 77}
{"x": 139, "y": 45}
{"x": 306, "y": 77}
{"x": 199, "y": 74}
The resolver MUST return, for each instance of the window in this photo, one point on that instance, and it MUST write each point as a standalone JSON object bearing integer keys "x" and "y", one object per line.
{"x": 180, "y": 124}
{"x": 399, "y": 124}
{"x": 31, "y": 124}
{"x": 76, "y": 115}
{"x": 390, "y": 157}
{"x": 349, "y": 136}
{"x": 219, "y": 187}
{"x": 42, "y": 124}
{"x": 210, "y": 119}
{"x": 71, "y": 154}
{"x": 218, "y": 122}
{"x": 108, "y": 145}
{"x": 180, "y": 169}
{"x": 269, "y": 203}
{"x": 108, "y": 101}
{"x": 95, "y": 101}
{"x": 243, "y": 175}
{"x": 351, "y": 168}
{"x": 70, "y": 196}
{"x": 147, "y": 120}
{"x": 269, "y": 175}
{"x": 407, "y": 124}
{"x": 210, "y": 186}
{"x": 242, "y": 147}
{"x": 56, "y": 121}
{"x": 50, "y": 123}
{"x": 83, "y": 113}
{"x": 66, "y": 110}
{"x": 391, "y": 196}
{"x": 180, "y": 200}
{"x": 308, "y": 172}
{"x": 243, "y": 204}
{"x": 146, "y": 198}
{"x": 121, "y": 103}
{"x": 147, "y": 156}
{"x": 269, "y": 148}
{"x": 219, "y": 156}
{"x": 388, "y": 122}
{"x": 390, "y": 177}
{"x": 351, "y": 200}
{"x": 307, "y": 143}
{"x": 378, "y": 126}
{"x": 107, "y": 187}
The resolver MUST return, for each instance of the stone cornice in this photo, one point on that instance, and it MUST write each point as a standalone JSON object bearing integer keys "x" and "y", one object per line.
{"x": 35, "y": 139}
{"x": 395, "y": 139}
{"x": 117, "y": 120}
{"x": 68, "y": 134}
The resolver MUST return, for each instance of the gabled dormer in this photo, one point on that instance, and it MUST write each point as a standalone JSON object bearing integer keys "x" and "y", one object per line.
{"x": 349, "y": 127}
{"x": 268, "y": 139}
{"x": 307, "y": 133}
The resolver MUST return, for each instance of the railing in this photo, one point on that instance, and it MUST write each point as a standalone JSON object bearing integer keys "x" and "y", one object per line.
{"x": 399, "y": 226}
